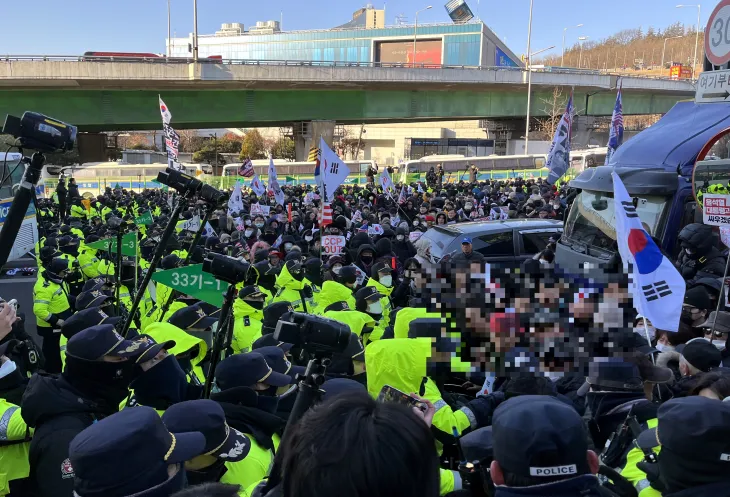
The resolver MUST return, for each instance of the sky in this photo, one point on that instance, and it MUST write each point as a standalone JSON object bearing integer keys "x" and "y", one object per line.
{"x": 72, "y": 27}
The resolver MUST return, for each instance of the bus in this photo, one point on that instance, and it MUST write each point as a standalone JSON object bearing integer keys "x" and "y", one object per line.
{"x": 490, "y": 167}
{"x": 295, "y": 172}
{"x": 580, "y": 160}
{"x": 95, "y": 177}
{"x": 28, "y": 234}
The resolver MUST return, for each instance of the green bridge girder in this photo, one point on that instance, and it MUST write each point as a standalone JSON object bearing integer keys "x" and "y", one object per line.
{"x": 108, "y": 110}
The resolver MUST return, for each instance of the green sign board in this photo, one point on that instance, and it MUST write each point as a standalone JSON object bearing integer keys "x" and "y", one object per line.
{"x": 129, "y": 245}
{"x": 193, "y": 281}
{"x": 144, "y": 220}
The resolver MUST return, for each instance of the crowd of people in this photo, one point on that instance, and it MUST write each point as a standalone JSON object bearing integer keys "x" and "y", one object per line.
{"x": 514, "y": 380}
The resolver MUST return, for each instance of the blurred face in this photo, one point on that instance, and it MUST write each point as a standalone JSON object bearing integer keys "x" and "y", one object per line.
{"x": 709, "y": 393}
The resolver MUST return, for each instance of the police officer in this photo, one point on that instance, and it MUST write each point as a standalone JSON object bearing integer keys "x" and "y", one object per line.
{"x": 290, "y": 287}
{"x": 14, "y": 432}
{"x": 223, "y": 444}
{"x": 339, "y": 289}
{"x": 247, "y": 312}
{"x": 130, "y": 453}
{"x": 99, "y": 368}
{"x": 52, "y": 306}
{"x": 699, "y": 257}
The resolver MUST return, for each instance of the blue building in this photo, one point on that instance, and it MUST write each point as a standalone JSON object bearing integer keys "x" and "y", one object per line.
{"x": 362, "y": 40}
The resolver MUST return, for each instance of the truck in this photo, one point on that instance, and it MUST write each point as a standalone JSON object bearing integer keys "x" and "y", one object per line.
{"x": 658, "y": 168}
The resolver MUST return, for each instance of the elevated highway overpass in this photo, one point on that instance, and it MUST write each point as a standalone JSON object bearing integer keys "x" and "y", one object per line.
{"x": 103, "y": 95}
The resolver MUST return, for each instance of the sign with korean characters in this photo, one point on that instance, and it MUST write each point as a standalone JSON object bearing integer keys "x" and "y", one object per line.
{"x": 716, "y": 209}
{"x": 193, "y": 281}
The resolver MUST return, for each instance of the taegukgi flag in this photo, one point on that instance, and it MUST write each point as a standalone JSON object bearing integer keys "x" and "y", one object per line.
{"x": 386, "y": 182}
{"x": 330, "y": 171}
{"x": 657, "y": 287}
{"x": 235, "y": 203}
{"x": 257, "y": 186}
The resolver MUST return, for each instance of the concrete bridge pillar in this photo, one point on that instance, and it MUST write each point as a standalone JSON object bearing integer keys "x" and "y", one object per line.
{"x": 307, "y": 134}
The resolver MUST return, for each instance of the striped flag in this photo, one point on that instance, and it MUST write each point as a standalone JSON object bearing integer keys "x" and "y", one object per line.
{"x": 402, "y": 196}
{"x": 246, "y": 169}
{"x": 313, "y": 154}
{"x": 616, "y": 132}
{"x": 325, "y": 215}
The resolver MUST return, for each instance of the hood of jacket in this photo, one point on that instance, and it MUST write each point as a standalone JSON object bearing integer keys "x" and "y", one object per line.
{"x": 398, "y": 362}
{"x": 333, "y": 291}
{"x": 286, "y": 280}
{"x": 49, "y": 396}
{"x": 163, "y": 332}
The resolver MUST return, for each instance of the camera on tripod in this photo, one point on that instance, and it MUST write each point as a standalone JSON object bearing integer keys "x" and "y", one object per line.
{"x": 187, "y": 185}
{"x": 313, "y": 333}
{"x": 41, "y": 132}
{"x": 228, "y": 269}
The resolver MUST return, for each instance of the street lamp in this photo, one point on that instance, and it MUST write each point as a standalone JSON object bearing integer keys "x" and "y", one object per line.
{"x": 581, "y": 39}
{"x": 562, "y": 58}
{"x": 697, "y": 34}
{"x": 195, "y": 30}
{"x": 665, "y": 46}
{"x": 415, "y": 29}
{"x": 169, "y": 32}
{"x": 528, "y": 63}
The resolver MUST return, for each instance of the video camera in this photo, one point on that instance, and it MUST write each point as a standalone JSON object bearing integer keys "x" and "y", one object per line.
{"x": 187, "y": 185}
{"x": 313, "y": 333}
{"x": 41, "y": 132}
{"x": 227, "y": 269}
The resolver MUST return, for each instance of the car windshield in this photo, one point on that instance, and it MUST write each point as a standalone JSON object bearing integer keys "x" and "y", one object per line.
{"x": 590, "y": 227}
{"x": 10, "y": 167}
{"x": 440, "y": 240}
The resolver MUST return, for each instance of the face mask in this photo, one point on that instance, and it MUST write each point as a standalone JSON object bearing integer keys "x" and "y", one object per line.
{"x": 7, "y": 368}
{"x": 166, "y": 382}
{"x": 415, "y": 223}
{"x": 102, "y": 381}
{"x": 248, "y": 233}
{"x": 554, "y": 375}
{"x": 720, "y": 344}
{"x": 468, "y": 207}
{"x": 247, "y": 222}
{"x": 687, "y": 317}
{"x": 649, "y": 329}
{"x": 288, "y": 246}
{"x": 337, "y": 269}
{"x": 400, "y": 238}
{"x": 366, "y": 259}
{"x": 386, "y": 281}
{"x": 663, "y": 348}
{"x": 259, "y": 225}
{"x": 308, "y": 238}
{"x": 256, "y": 304}
{"x": 375, "y": 308}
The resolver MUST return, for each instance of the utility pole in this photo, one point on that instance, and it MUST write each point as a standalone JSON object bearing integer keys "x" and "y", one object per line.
{"x": 528, "y": 62}
{"x": 195, "y": 30}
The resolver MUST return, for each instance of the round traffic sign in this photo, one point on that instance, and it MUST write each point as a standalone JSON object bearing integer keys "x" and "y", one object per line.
{"x": 717, "y": 34}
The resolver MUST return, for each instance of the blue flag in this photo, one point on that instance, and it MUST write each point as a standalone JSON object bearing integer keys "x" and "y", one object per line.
{"x": 558, "y": 160}
{"x": 616, "y": 132}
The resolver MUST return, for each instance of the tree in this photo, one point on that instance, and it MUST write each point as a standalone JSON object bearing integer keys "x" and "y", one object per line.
{"x": 230, "y": 144}
{"x": 284, "y": 148}
{"x": 352, "y": 145}
{"x": 254, "y": 146}
{"x": 208, "y": 153}
{"x": 190, "y": 141}
{"x": 554, "y": 108}
{"x": 136, "y": 141}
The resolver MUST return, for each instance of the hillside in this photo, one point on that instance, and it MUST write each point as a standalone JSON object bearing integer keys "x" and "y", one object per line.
{"x": 634, "y": 51}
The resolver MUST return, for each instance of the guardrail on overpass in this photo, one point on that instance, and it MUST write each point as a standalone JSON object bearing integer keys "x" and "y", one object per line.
{"x": 101, "y": 95}
{"x": 15, "y": 70}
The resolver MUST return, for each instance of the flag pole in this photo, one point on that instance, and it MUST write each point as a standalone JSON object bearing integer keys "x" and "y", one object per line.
{"x": 719, "y": 299}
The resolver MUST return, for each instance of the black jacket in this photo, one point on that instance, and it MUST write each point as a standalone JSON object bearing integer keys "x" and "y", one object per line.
{"x": 711, "y": 490}
{"x": 58, "y": 413}
{"x": 473, "y": 257}
{"x": 711, "y": 264}
{"x": 403, "y": 250}
{"x": 580, "y": 486}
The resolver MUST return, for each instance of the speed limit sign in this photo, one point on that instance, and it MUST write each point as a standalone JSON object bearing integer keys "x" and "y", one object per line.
{"x": 717, "y": 34}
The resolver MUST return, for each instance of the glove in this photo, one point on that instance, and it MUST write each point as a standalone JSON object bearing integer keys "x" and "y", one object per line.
{"x": 652, "y": 474}
{"x": 60, "y": 323}
{"x": 483, "y": 408}
{"x": 307, "y": 292}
